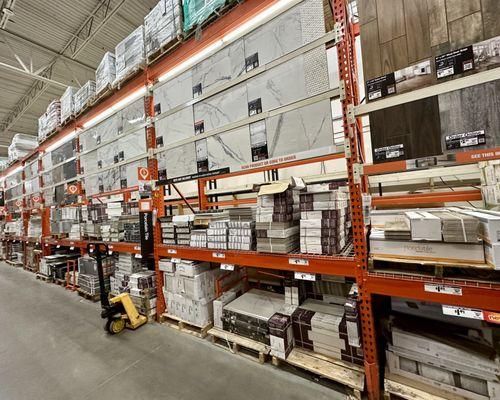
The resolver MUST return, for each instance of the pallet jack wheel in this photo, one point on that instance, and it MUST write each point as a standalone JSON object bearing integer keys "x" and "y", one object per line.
{"x": 115, "y": 325}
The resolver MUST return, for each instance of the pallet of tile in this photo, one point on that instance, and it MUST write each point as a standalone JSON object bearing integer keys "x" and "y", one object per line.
{"x": 240, "y": 345}
{"x": 92, "y": 297}
{"x": 44, "y": 278}
{"x": 183, "y": 326}
{"x": 350, "y": 375}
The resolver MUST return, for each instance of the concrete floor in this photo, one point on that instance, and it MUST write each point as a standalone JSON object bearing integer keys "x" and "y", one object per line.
{"x": 53, "y": 346}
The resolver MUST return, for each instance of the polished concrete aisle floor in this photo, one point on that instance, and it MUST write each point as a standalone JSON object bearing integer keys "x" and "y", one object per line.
{"x": 53, "y": 346}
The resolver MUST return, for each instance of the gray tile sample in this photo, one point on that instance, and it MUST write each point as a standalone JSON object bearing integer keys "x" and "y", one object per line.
{"x": 466, "y": 30}
{"x": 178, "y": 161}
{"x": 103, "y": 132}
{"x": 128, "y": 173}
{"x": 229, "y": 149}
{"x": 223, "y": 108}
{"x": 175, "y": 127}
{"x": 174, "y": 92}
{"x": 225, "y": 65}
{"x": 132, "y": 115}
{"x": 91, "y": 185}
{"x": 132, "y": 145}
{"x": 306, "y": 128}
{"x": 88, "y": 162}
{"x": 472, "y": 109}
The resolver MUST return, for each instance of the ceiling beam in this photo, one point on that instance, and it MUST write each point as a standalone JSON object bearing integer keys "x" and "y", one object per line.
{"x": 32, "y": 75}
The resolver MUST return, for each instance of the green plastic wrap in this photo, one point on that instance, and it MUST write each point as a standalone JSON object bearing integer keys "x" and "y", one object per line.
{"x": 197, "y": 11}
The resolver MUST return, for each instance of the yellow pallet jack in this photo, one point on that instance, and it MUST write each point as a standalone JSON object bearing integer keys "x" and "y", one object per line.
{"x": 119, "y": 311}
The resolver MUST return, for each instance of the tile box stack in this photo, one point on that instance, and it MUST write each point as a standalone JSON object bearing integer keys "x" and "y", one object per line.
{"x": 142, "y": 289}
{"x": 126, "y": 265}
{"x": 278, "y": 216}
{"x": 453, "y": 234}
{"x": 63, "y": 219}
{"x": 162, "y": 25}
{"x": 241, "y": 224}
{"x": 129, "y": 54}
{"x": 88, "y": 278}
{"x": 177, "y": 229}
{"x": 132, "y": 230}
{"x": 84, "y": 95}
{"x": 105, "y": 73}
{"x": 68, "y": 103}
{"x": 456, "y": 355}
{"x": 324, "y": 219}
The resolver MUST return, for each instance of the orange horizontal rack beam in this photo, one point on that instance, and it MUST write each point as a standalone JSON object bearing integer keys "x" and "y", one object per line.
{"x": 331, "y": 265}
{"x": 121, "y": 247}
{"x": 481, "y": 295}
{"x": 427, "y": 198}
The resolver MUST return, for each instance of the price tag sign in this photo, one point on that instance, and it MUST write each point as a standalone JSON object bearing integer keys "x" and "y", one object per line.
{"x": 110, "y": 252}
{"x": 305, "y": 276}
{"x": 444, "y": 289}
{"x": 463, "y": 312}
{"x": 298, "y": 261}
{"x": 58, "y": 246}
{"x": 110, "y": 248}
{"x": 227, "y": 267}
{"x": 91, "y": 250}
{"x": 492, "y": 317}
{"x": 218, "y": 255}
{"x": 175, "y": 260}
{"x": 138, "y": 248}
{"x": 138, "y": 256}
{"x": 171, "y": 251}
{"x": 72, "y": 248}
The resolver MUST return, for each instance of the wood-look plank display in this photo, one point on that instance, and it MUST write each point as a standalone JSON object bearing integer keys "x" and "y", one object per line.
{"x": 466, "y": 30}
{"x": 417, "y": 30}
{"x": 391, "y": 19}
{"x": 371, "y": 53}
{"x": 438, "y": 28}
{"x": 472, "y": 109}
{"x": 369, "y": 10}
{"x": 394, "y": 55}
{"x": 456, "y": 9}
{"x": 491, "y": 18}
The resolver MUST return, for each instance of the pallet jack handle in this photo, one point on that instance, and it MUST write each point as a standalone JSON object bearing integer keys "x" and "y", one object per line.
{"x": 99, "y": 251}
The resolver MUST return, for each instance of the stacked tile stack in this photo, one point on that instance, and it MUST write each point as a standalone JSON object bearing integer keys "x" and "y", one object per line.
{"x": 183, "y": 225}
{"x": 88, "y": 279}
{"x": 105, "y": 73}
{"x": 132, "y": 230}
{"x": 324, "y": 222}
{"x": 162, "y": 25}
{"x": 84, "y": 95}
{"x": 126, "y": 265}
{"x": 68, "y": 103}
{"x": 217, "y": 234}
{"x": 277, "y": 221}
{"x": 241, "y": 228}
{"x": 129, "y": 54}
{"x": 167, "y": 231}
{"x": 198, "y": 238}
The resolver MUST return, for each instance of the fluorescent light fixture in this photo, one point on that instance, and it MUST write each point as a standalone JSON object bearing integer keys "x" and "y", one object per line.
{"x": 234, "y": 34}
{"x": 61, "y": 141}
{"x": 116, "y": 107}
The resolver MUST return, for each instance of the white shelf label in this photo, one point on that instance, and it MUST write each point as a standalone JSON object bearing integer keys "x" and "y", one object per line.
{"x": 171, "y": 251}
{"x": 138, "y": 248}
{"x": 463, "y": 312}
{"x": 71, "y": 243}
{"x": 110, "y": 252}
{"x": 175, "y": 260}
{"x": 138, "y": 256}
{"x": 58, "y": 246}
{"x": 227, "y": 267}
{"x": 110, "y": 247}
{"x": 444, "y": 289}
{"x": 305, "y": 276}
{"x": 218, "y": 255}
{"x": 72, "y": 248}
{"x": 298, "y": 261}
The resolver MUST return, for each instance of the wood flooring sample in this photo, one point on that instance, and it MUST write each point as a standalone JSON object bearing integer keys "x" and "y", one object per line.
{"x": 367, "y": 10}
{"x": 371, "y": 50}
{"x": 466, "y": 31}
{"x": 438, "y": 28}
{"x": 394, "y": 55}
{"x": 417, "y": 30}
{"x": 456, "y": 9}
{"x": 491, "y": 18}
{"x": 391, "y": 19}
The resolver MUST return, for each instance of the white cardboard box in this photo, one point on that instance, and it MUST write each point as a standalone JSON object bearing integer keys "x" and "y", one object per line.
{"x": 424, "y": 226}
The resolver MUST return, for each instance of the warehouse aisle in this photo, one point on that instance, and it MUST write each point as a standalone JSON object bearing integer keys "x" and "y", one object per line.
{"x": 52, "y": 346}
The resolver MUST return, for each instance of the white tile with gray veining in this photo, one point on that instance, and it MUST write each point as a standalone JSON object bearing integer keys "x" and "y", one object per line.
{"x": 132, "y": 145}
{"x": 177, "y": 126}
{"x": 222, "y": 108}
{"x": 178, "y": 161}
{"x": 106, "y": 154}
{"x": 129, "y": 172}
{"x": 106, "y": 130}
{"x": 229, "y": 149}
{"x": 88, "y": 162}
{"x": 306, "y": 128}
{"x": 132, "y": 115}
{"x": 176, "y": 91}
{"x": 223, "y": 66}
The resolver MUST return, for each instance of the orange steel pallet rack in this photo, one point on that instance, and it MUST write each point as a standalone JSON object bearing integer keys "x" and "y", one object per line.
{"x": 481, "y": 295}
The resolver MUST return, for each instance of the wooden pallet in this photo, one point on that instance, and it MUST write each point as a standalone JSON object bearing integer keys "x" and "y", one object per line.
{"x": 183, "y": 326}
{"x": 166, "y": 48}
{"x": 130, "y": 74}
{"x": 92, "y": 297}
{"x": 44, "y": 277}
{"x": 396, "y": 386}
{"x": 60, "y": 282}
{"x": 14, "y": 263}
{"x": 240, "y": 345}
{"x": 350, "y": 375}
{"x": 103, "y": 94}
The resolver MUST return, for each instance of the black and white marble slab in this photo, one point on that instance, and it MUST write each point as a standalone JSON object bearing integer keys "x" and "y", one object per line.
{"x": 177, "y": 126}
{"x": 229, "y": 148}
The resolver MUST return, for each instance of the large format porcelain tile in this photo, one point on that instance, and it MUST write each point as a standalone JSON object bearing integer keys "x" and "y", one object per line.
{"x": 129, "y": 173}
{"x": 63, "y": 152}
{"x": 173, "y": 93}
{"x": 175, "y": 127}
{"x": 91, "y": 185}
{"x": 223, "y": 66}
{"x": 273, "y": 87}
{"x": 229, "y": 149}
{"x": 106, "y": 154}
{"x": 178, "y": 161}
{"x": 46, "y": 161}
{"x": 306, "y": 128}
{"x": 69, "y": 170}
{"x": 110, "y": 179}
{"x": 132, "y": 115}
{"x": 88, "y": 162}
{"x": 106, "y": 130}
{"x": 223, "y": 108}
{"x": 132, "y": 145}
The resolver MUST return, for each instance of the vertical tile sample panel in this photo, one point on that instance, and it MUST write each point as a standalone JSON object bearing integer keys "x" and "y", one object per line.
{"x": 132, "y": 115}
{"x": 88, "y": 162}
{"x": 394, "y": 55}
{"x": 104, "y": 131}
{"x": 174, "y": 92}
{"x": 391, "y": 19}
{"x": 229, "y": 149}
{"x": 491, "y": 18}
{"x": 417, "y": 30}
{"x": 466, "y": 30}
{"x": 303, "y": 129}
{"x": 367, "y": 10}
{"x": 223, "y": 66}
{"x": 223, "y": 108}
{"x": 175, "y": 127}
{"x": 128, "y": 173}
{"x": 438, "y": 28}
{"x": 472, "y": 109}
{"x": 456, "y": 9}
{"x": 179, "y": 161}
{"x": 371, "y": 50}
{"x": 132, "y": 145}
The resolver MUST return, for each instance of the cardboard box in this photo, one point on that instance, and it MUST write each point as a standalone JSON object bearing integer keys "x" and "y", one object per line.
{"x": 424, "y": 226}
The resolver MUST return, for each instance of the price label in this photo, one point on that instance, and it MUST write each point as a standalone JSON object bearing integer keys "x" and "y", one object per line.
{"x": 91, "y": 250}
{"x": 492, "y": 317}
{"x": 58, "y": 246}
{"x": 175, "y": 260}
{"x": 110, "y": 252}
{"x": 171, "y": 251}
{"x": 110, "y": 248}
{"x": 138, "y": 256}
{"x": 463, "y": 312}
{"x": 298, "y": 261}
{"x": 138, "y": 248}
{"x": 444, "y": 289}
{"x": 218, "y": 255}
{"x": 72, "y": 248}
{"x": 305, "y": 276}
{"x": 46, "y": 245}
{"x": 227, "y": 267}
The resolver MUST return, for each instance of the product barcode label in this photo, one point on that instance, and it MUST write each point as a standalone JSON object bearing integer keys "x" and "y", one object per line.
{"x": 175, "y": 260}
{"x": 72, "y": 248}
{"x": 298, "y": 261}
{"x": 467, "y": 139}
{"x": 218, "y": 255}
{"x": 227, "y": 267}
{"x": 172, "y": 251}
{"x": 463, "y": 312}
{"x": 445, "y": 72}
{"x": 138, "y": 256}
{"x": 305, "y": 276}
{"x": 444, "y": 289}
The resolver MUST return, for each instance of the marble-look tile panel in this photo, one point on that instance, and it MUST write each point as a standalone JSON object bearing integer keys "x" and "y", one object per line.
{"x": 89, "y": 162}
{"x": 128, "y": 172}
{"x": 106, "y": 130}
{"x": 229, "y": 149}
{"x": 179, "y": 161}
{"x": 306, "y": 128}
{"x": 106, "y": 154}
{"x": 173, "y": 93}
{"x": 177, "y": 126}
{"x": 132, "y": 145}
{"x": 132, "y": 115}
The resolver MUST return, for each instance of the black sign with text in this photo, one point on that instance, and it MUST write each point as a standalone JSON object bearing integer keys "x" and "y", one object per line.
{"x": 380, "y": 87}
{"x": 455, "y": 62}
{"x": 147, "y": 236}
